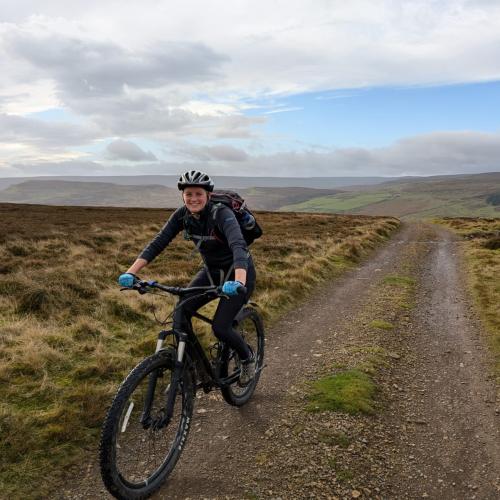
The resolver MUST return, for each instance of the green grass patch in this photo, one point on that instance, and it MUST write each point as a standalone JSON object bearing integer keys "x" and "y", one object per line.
{"x": 351, "y": 392}
{"x": 373, "y": 358}
{"x": 335, "y": 439}
{"x": 338, "y": 202}
{"x": 342, "y": 474}
{"x": 394, "y": 279}
{"x": 381, "y": 324}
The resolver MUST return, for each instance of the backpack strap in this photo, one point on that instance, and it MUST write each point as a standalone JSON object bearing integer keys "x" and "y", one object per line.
{"x": 215, "y": 209}
{"x": 202, "y": 238}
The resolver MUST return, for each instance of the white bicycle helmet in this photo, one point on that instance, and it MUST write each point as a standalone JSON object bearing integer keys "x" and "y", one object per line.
{"x": 195, "y": 178}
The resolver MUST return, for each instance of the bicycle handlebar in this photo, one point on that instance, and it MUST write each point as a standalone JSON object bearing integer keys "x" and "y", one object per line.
{"x": 142, "y": 287}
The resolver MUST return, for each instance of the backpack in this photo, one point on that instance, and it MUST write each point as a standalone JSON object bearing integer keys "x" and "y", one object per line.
{"x": 250, "y": 229}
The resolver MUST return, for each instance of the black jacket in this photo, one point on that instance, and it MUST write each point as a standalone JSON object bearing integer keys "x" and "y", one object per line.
{"x": 221, "y": 243}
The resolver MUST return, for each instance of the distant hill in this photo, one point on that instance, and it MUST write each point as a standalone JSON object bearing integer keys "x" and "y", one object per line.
{"x": 107, "y": 194}
{"x": 413, "y": 198}
{"x": 460, "y": 195}
{"x": 221, "y": 181}
{"x": 90, "y": 193}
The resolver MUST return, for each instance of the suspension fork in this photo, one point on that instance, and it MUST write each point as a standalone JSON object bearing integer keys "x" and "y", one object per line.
{"x": 152, "y": 378}
{"x": 174, "y": 383}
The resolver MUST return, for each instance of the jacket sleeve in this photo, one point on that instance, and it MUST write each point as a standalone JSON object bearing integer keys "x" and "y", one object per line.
{"x": 230, "y": 228}
{"x": 167, "y": 233}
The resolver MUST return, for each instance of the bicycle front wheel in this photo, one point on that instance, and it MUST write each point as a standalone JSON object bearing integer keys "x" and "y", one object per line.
{"x": 138, "y": 451}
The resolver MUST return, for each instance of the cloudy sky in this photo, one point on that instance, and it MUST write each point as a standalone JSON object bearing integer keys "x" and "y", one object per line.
{"x": 282, "y": 88}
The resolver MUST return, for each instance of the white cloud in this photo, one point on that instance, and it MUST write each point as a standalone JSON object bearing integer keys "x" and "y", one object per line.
{"x": 283, "y": 110}
{"x": 170, "y": 70}
{"x": 257, "y": 48}
{"x": 427, "y": 154}
{"x": 86, "y": 68}
{"x": 15, "y": 128}
{"x": 128, "y": 150}
{"x": 223, "y": 152}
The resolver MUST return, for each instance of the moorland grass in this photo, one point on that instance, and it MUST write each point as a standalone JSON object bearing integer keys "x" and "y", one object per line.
{"x": 394, "y": 279}
{"x": 381, "y": 324}
{"x": 68, "y": 336}
{"x": 482, "y": 257}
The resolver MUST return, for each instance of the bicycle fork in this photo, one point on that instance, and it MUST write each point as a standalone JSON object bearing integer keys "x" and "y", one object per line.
{"x": 174, "y": 383}
{"x": 171, "y": 392}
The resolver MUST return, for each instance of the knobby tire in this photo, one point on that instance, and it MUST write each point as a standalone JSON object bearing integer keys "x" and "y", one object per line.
{"x": 251, "y": 327}
{"x": 155, "y": 451}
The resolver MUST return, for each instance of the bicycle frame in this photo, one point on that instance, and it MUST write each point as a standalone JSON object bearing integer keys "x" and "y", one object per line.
{"x": 186, "y": 342}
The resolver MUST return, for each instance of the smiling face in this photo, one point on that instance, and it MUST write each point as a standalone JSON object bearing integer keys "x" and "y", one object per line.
{"x": 195, "y": 199}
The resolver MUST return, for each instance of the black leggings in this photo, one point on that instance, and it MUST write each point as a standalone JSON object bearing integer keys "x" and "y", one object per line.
{"x": 226, "y": 311}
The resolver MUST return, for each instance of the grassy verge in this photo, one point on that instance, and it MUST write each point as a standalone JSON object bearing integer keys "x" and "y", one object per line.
{"x": 481, "y": 247}
{"x": 68, "y": 336}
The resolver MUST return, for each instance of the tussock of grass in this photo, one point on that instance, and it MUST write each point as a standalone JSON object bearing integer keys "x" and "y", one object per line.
{"x": 68, "y": 336}
{"x": 124, "y": 312}
{"x": 372, "y": 358}
{"x": 86, "y": 329}
{"x": 10, "y": 287}
{"x": 381, "y": 324}
{"x": 399, "y": 280}
{"x": 334, "y": 438}
{"x": 351, "y": 392}
{"x": 18, "y": 250}
{"x": 492, "y": 244}
{"x": 341, "y": 473}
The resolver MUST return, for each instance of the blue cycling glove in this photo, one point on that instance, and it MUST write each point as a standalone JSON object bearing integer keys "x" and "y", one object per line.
{"x": 231, "y": 287}
{"x": 127, "y": 280}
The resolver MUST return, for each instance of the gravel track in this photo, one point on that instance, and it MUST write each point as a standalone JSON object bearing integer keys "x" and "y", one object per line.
{"x": 437, "y": 437}
{"x": 448, "y": 416}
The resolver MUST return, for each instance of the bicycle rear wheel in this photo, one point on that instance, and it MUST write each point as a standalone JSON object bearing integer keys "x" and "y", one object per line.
{"x": 137, "y": 456}
{"x": 251, "y": 328}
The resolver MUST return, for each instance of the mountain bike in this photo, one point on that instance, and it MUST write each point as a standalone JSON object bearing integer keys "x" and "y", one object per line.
{"x": 146, "y": 427}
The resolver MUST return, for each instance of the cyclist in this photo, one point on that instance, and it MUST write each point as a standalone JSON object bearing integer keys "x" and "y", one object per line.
{"x": 218, "y": 237}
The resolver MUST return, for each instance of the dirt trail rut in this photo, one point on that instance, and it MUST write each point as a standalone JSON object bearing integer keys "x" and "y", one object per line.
{"x": 453, "y": 450}
{"x": 447, "y": 417}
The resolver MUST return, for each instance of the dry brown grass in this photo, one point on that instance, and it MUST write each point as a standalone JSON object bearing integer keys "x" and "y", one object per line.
{"x": 482, "y": 251}
{"x": 68, "y": 336}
